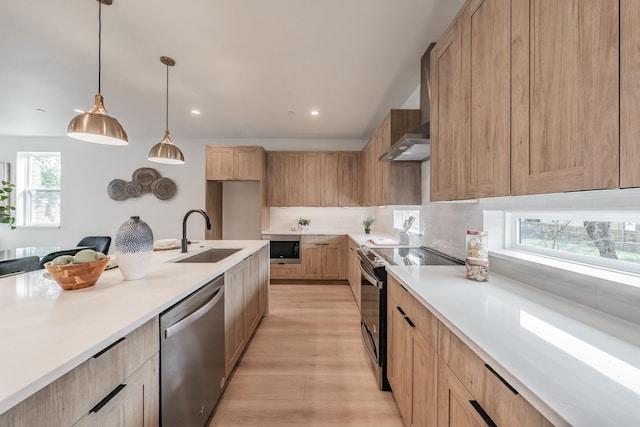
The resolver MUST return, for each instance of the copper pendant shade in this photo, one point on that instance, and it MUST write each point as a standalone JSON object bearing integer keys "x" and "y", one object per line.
{"x": 166, "y": 151}
{"x": 97, "y": 125}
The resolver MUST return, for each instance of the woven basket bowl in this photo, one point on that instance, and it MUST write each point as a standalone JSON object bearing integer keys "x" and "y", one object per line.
{"x": 77, "y": 276}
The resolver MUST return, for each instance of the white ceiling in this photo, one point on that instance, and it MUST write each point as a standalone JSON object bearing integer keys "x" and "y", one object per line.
{"x": 254, "y": 68}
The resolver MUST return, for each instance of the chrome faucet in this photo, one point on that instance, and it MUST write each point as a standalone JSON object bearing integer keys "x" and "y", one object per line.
{"x": 184, "y": 226}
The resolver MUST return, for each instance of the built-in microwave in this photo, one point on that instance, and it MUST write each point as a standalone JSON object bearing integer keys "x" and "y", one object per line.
{"x": 284, "y": 248}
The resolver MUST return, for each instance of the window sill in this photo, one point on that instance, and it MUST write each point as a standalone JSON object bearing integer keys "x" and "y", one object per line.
{"x": 625, "y": 278}
{"x": 38, "y": 227}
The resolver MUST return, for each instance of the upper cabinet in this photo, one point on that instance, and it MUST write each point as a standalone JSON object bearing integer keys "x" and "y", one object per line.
{"x": 565, "y": 95}
{"x": 312, "y": 178}
{"x": 629, "y": 93}
{"x": 390, "y": 183}
{"x": 526, "y": 98}
{"x": 235, "y": 163}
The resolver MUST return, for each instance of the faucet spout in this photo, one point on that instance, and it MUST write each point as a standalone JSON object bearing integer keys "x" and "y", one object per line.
{"x": 184, "y": 227}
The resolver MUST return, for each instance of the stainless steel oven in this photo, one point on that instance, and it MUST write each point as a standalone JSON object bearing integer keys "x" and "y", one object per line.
{"x": 283, "y": 248}
{"x": 373, "y": 297}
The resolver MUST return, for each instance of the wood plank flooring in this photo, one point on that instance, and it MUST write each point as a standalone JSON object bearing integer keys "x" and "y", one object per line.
{"x": 306, "y": 366}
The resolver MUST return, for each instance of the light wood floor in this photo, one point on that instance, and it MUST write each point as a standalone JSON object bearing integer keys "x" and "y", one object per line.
{"x": 306, "y": 366}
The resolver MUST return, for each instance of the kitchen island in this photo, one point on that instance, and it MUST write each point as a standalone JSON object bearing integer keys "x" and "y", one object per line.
{"x": 47, "y": 332}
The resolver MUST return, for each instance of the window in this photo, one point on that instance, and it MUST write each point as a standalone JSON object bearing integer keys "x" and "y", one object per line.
{"x": 606, "y": 239}
{"x": 38, "y": 185}
{"x": 402, "y": 215}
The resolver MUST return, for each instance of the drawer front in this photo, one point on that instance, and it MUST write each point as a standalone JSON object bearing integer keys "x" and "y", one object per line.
{"x": 322, "y": 239}
{"x": 426, "y": 324}
{"x": 112, "y": 366}
{"x": 497, "y": 397}
{"x": 285, "y": 271}
{"x": 71, "y": 396}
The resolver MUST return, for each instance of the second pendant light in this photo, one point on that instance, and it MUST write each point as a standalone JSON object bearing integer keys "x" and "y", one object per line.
{"x": 166, "y": 151}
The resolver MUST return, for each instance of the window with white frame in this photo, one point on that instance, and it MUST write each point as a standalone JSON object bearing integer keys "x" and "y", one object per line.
{"x": 38, "y": 188}
{"x": 401, "y": 219}
{"x": 604, "y": 239}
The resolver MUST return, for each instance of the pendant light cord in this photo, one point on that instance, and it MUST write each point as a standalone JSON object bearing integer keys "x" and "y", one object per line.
{"x": 167, "y": 101}
{"x": 99, "y": 42}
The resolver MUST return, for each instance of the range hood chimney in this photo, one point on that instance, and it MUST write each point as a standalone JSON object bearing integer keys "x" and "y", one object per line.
{"x": 415, "y": 145}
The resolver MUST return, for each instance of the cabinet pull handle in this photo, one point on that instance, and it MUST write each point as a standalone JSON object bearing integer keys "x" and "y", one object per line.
{"x": 409, "y": 322}
{"x": 103, "y": 351}
{"x": 401, "y": 312}
{"x": 108, "y": 398}
{"x": 506, "y": 384}
{"x": 403, "y": 288}
{"x": 487, "y": 419}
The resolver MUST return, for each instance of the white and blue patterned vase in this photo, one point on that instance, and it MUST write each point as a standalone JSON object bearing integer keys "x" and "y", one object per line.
{"x": 134, "y": 248}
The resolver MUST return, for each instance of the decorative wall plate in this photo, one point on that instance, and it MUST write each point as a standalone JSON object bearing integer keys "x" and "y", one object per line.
{"x": 163, "y": 188}
{"x": 144, "y": 180}
{"x": 116, "y": 189}
{"x": 145, "y": 176}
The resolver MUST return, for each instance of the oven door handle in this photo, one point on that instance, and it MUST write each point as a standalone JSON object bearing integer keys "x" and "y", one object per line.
{"x": 373, "y": 281}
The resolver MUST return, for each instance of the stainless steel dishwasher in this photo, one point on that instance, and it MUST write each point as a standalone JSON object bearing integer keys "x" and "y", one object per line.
{"x": 192, "y": 357}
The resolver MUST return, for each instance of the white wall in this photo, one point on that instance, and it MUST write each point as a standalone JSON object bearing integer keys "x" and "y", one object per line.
{"x": 345, "y": 220}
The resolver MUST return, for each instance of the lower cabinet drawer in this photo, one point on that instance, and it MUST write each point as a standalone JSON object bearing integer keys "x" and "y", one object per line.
{"x": 501, "y": 402}
{"x": 286, "y": 271}
{"x": 71, "y": 396}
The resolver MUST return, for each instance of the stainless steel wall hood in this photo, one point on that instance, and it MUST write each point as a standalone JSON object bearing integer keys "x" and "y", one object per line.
{"x": 416, "y": 145}
{"x": 411, "y": 147}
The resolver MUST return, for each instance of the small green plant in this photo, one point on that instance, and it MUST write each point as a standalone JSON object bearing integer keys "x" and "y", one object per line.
{"x": 6, "y": 210}
{"x": 304, "y": 222}
{"x": 368, "y": 222}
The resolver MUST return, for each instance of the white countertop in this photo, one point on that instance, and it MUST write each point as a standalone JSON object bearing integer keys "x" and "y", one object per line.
{"x": 46, "y": 332}
{"x": 575, "y": 365}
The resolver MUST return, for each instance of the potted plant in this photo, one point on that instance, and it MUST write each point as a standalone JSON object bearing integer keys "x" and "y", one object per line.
{"x": 304, "y": 223}
{"x": 6, "y": 210}
{"x": 368, "y": 222}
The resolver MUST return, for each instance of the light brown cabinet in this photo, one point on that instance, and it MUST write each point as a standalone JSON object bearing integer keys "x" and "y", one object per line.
{"x": 322, "y": 257}
{"x": 412, "y": 359}
{"x": 390, "y": 183}
{"x": 565, "y": 96}
{"x": 629, "y": 93}
{"x": 310, "y": 178}
{"x": 285, "y": 271}
{"x": 246, "y": 291}
{"x": 235, "y": 163}
{"x": 353, "y": 273}
{"x": 470, "y": 114}
{"x": 67, "y": 401}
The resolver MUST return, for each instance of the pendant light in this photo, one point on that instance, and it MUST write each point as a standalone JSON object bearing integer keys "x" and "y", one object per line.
{"x": 97, "y": 125}
{"x": 166, "y": 151}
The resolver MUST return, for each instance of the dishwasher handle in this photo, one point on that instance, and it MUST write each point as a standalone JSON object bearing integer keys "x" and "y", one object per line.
{"x": 178, "y": 326}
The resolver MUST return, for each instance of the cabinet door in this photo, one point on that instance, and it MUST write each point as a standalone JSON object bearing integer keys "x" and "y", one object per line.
{"x": 399, "y": 360}
{"x": 348, "y": 183}
{"x": 248, "y": 163}
{"x": 446, "y": 113}
{"x": 565, "y": 95}
{"x": 219, "y": 163}
{"x": 251, "y": 295}
{"x": 311, "y": 261}
{"x": 629, "y": 93}
{"x": 312, "y": 178}
{"x": 136, "y": 403}
{"x": 264, "y": 279}
{"x": 485, "y": 123}
{"x": 424, "y": 384}
{"x": 332, "y": 262}
{"x": 330, "y": 179}
{"x": 382, "y": 170}
{"x": 234, "y": 337}
{"x": 284, "y": 179}
{"x": 454, "y": 402}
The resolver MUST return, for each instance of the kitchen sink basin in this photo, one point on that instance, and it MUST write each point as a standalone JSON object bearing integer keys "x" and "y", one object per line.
{"x": 210, "y": 255}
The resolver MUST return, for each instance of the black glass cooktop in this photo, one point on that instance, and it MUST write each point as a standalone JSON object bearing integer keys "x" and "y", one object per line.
{"x": 415, "y": 256}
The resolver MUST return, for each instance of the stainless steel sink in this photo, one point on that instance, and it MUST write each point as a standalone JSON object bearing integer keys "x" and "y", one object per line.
{"x": 210, "y": 255}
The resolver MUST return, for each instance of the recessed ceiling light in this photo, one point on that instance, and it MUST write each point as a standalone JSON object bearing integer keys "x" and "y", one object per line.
{"x": 77, "y": 110}
{"x": 314, "y": 113}
{"x": 195, "y": 112}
